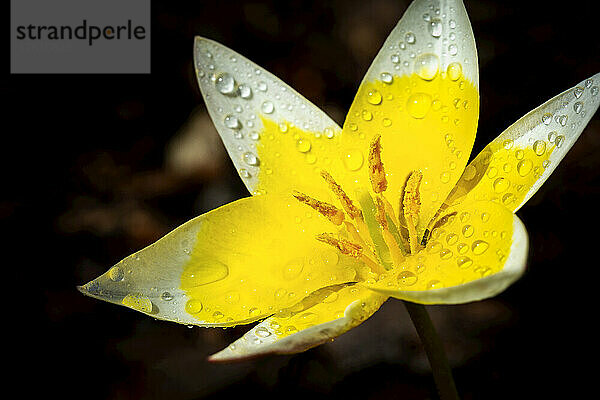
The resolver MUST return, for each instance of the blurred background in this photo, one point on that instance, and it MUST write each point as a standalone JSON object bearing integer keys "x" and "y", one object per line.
{"x": 96, "y": 167}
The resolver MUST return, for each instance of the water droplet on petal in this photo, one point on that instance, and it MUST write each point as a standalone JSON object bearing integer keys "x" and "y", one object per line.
{"x": 435, "y": 27}
{"x": 116, "y": 274}
{"x": 464, "y": 262}
{"x": 418, "y": 105}
{"x": 245, "y": 91}
{"x": 410, "y": 38}
{"x": 374, "y": 97}
{"x": 454, "y": 71}
{"x": 250, "y": 159}
{"x": 547, "y": 118}
{"x": 407, "y": 278}
{"x": 539, "y": 147}
{"x": 353, "y": 160}
{"x": 452, "y": 49}
{"x": 267, "y": 107}
{"x": 427, "y": 66}
{"x": 166, "y": 296}
{"x": 386, "y": 77}
{"x": 138, "y": 301}
{"x": 193, "y": 306}
{"x": 303, "y": 145}
{"x": 232, "y": 122}
{"x": 225, "y": 83}
{"x": 479, "y": 247}
{"x": 262, "y": 332}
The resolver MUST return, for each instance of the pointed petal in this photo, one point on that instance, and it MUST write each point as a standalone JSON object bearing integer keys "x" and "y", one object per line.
{"x": 477, "y": 254}
{"x": 421, "y": 95}
{"x": 514, "y": 165}
{"x": 323, "y": 316}
{"x": 236, "y": 264}
{"x": 274, "y": 136}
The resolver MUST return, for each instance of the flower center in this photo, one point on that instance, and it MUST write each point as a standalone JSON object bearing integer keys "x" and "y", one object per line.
{"x": 374, "y": 233}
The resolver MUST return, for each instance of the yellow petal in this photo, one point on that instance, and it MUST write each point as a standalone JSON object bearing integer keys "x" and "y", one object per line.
{"x": 479, "y": 252}
{"x": 421, "y": 95}
{"x": 277, "y": 140}
{"x": 324, "y": 315}
{"x": 514, "y": 165}
{"x": 236, "y": 264}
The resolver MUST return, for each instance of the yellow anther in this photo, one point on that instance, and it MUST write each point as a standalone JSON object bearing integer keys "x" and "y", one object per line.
{"x": 411, "y": 205}
{"x": 343, "y": 245}
{"x": 329, "y": 211}
{"x": 380, "y": 214}
{"x": 353, "y": 211}
{"x": 376, "y": 171}
{"x": 350, "y": 249}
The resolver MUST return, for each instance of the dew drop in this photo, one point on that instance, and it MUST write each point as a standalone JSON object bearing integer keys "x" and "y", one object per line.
{"x": 427, "y": 66}
{"x": 353, "y": 160}
{"x": 303, "y": 145}
{"x": 166, "y": 296}
{"x": 250, "y": 159}
{"x": 225, "y": 84}
{"x": 293, "y": 269}
{"x": 452, "y": 49}
{"x": 208, "y": 271}
{"x": 479, "y": 247}
{"x": 232, "y": 122}
{"x": 501, "y": 184}
{"x": 464, "y": 262}
{"x": 116, "y": 274}
{"x": 267, "y": 107}
{"x": 374, "y": 97}
{"x": 386, "y": 122}
{"x": 407, "y": 278}
{"x": 262, "y": 332}
{"x": 577, "y": 107}
{"x": 539, "y": 147}
{"x": 524, "y": 167}
{"x": 193, "y": 306}
{"x": 578, "y": 92}
{"x": 386, "y": 77}
{"x": 454, "y": 71}
{"x": 547, "y": 118}
{"x": 418, "y": 105}
{"x": 137, "y": 301}
{"x": 560, "y": 139}
{"x": 245, "y": 91}
{"x": 435, "y": 27}
{"x": 410, "y": 38}
{"x": 468, "y": 231}
{"x": 367, "y": 115}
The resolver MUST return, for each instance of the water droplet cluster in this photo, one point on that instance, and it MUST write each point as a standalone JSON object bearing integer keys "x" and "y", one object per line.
{"x": 239, "y": 94}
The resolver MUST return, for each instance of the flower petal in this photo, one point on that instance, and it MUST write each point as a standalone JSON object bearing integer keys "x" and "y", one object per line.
{"x": 324, "y": 315}
{"x": 275, "y": 137}
{"x": 421, "y": 95}
{"x": 514, "y": 165}
{"x": 477, "y": 254}
{"x": 236, "y": 264}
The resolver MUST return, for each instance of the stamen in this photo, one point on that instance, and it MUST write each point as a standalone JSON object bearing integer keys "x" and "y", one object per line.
{"x": 350, "y": 249}
{"x": 376, "y": 171}
{"x": 353, "y": 211}
{"x": 329, "y": 211}
{"x": 411, "y": 205}
{"x": 390, "y": 241}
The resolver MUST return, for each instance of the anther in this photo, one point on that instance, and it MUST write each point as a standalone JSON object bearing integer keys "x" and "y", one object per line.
{"x": 329, "y": 211}
{"x": 353, "y": 211}
{"x": 376, "y": 171}
{"x": 411, "y": 205}
{"x": 344, "y": 246}
{"x": 350, "y": 249}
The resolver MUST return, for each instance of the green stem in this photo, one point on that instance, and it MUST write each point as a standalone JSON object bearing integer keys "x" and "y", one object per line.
{"x": 442, "y": 374}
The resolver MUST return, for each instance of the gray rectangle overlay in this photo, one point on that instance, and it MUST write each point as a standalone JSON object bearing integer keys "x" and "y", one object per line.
{"x": 80, "y": 36}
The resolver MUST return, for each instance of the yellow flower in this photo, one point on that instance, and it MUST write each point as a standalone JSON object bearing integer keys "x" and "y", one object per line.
{"x": 342, "y": 219}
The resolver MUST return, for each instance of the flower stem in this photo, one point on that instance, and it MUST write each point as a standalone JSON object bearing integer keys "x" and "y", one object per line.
{"x": 442, "y": 374}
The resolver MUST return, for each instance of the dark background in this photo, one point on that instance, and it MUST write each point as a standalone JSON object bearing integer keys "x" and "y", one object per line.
{"x": 95, "y": 167}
